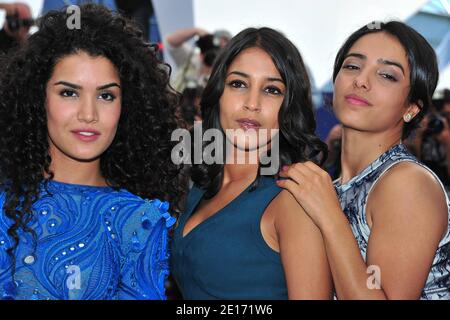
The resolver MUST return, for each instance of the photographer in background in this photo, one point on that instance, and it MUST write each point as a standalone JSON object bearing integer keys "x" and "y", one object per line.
{"x": 334, "y": 142}
{"x": 17, "y": 25}
{"x": 190, "y": 104}
{"x": 431, "y": 144}
{"x": 435, "y": 147}
{"x": 194, "y": 62}
{"x": 444, "y": 103}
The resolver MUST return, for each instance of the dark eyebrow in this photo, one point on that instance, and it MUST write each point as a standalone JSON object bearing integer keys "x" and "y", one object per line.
{"x": 68, "y": 84}
{"x": 75, "y": 86}
{"x": 392, "y": 63}
{"x": 242, "y": 74}
{"x": 381, "y": 61}
{"x": 356, "y": 55}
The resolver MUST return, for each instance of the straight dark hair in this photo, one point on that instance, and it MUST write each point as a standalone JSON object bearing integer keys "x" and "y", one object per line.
{"x": 424, "y": 73}
{"x": 298, "y": 142}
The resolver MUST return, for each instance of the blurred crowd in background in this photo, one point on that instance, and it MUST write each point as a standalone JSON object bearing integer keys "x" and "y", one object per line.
{"x": 193, "y": 51}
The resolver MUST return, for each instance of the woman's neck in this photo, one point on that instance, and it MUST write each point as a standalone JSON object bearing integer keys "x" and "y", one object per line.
{"x": 239, "y": 172}
{"x": 360, "y": 149}
{"x": 240, "y": 165}
{"x": 68, "y": 170}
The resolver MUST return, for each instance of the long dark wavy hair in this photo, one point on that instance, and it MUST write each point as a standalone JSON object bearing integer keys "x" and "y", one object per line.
{"x": 297, "y": 139}
{"x": 136, "y": 160}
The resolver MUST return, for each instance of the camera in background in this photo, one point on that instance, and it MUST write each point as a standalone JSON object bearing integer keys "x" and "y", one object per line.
{"x": 15, "y": 23}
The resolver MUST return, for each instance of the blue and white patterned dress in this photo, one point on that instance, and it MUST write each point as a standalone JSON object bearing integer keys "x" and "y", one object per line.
{"x": 92, "y": 243}
{"x": 353, "y": 198}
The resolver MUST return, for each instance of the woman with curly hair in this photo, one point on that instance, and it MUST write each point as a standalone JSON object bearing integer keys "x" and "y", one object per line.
{"x": 86, "y": 117}
{"x": 241, "y": 236}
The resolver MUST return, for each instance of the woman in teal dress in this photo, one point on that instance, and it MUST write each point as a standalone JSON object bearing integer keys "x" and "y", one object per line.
{"x": 85, "y": 119}
{"x": 241, "y": 236}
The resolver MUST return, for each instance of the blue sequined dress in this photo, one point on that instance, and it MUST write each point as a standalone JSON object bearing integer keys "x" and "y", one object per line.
{"x": 92, "y": 243}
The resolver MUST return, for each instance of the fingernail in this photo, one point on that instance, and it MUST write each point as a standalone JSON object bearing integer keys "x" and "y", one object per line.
{"x": 285, "y": 168}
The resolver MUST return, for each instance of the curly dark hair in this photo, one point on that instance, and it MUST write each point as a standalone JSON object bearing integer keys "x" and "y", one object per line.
{"x": 136, "y": 160}
{"x": 298, "y": 141}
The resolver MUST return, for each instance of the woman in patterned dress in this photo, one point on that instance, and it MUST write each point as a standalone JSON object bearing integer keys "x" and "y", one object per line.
{"x": 386, "y": 231}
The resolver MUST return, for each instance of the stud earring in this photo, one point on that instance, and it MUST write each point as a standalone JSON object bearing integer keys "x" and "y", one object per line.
{"x": 407, "y": 117}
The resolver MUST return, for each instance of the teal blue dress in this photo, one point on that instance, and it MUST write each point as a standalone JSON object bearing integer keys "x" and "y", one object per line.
{"x": 226, "y": 256}
{"x": 92, "y": 243}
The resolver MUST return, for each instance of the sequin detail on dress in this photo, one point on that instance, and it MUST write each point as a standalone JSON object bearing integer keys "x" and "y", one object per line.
{"x": 93, "y": 243}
